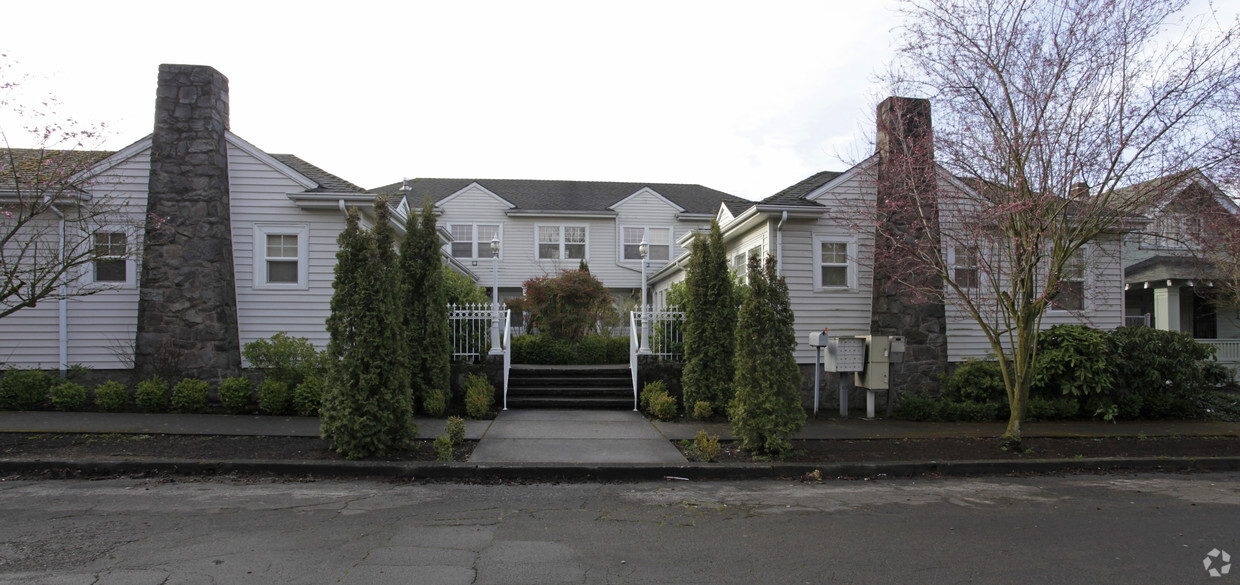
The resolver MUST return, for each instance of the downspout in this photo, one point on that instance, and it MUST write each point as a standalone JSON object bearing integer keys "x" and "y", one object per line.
{"x": 63, "y": 303}
{"x": 343, "y": 208}
{"x": 779, "y": 243}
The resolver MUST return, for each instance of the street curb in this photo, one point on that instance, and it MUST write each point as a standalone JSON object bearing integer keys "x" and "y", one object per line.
{"x": 478, "y": 472}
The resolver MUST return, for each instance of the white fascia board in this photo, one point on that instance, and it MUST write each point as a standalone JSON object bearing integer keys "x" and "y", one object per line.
{"x": 694, "y": 216}
{"x": 270, "y": 161}
{"x": 449, "y": 198}
{"x": 651, "y": 192}
{"x": 329, "y": 200}
{"x": 562, "y": 213}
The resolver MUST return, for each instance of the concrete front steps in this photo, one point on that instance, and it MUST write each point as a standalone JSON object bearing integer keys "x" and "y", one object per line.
{"x": 608, "y": 387}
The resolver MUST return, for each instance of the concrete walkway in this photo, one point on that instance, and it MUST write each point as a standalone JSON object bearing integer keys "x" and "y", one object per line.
{"x": 574, "y": 437}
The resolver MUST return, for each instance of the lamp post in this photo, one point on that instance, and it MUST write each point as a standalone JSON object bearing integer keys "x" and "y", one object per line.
{"x": 644, "y": 348}
{"x": 495, "y": 348}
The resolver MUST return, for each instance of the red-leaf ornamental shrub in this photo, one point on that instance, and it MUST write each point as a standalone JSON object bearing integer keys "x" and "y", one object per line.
{"x": 567, "y": 306}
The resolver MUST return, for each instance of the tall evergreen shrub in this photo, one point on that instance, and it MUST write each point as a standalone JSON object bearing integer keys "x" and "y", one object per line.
{"x": 766, "y": 411}
{"x": 367, "y": 409}
{"x": 710, "y": 323}
{"x": 425, "y": 310}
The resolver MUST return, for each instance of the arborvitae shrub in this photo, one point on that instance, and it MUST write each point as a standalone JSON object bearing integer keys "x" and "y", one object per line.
{"x": 443, "y": 448}
{"x": 274, "y": 397}
{"x": 425, "y": 352}
{"x": 111, "y": 396}
{"x": 237, "y": 394}
{"x": 308, "y": 397}
{"x": 435, "y": 404}
{"x": 190, "y": 395}
{"x": 68, "y": 396}
{"x": 455, "y": 428}
{"x": 152, "y": 394}
{"x": 766, "y": 411}
{"x": 710, "y": 322}
{"x": 479, "y": 396}
{"x": 24, "y": 389}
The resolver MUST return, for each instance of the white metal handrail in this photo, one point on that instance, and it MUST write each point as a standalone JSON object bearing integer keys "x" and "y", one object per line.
{"x": 507, "y": 352}
{"x": 633, "y": 345}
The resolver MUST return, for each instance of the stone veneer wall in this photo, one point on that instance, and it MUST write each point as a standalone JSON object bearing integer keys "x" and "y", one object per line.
{"x": 187, "y": 310}
{"x": 906, "y": 145}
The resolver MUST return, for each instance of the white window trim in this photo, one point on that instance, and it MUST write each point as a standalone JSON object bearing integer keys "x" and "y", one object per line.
{"x": 259, "y": 260}
{"x": 852, "y": 262}
{"x": 1087, "y": 284}
{"x": 953, "y": 266}
{"x": 476, "y": 243}
{"x": 537, "y": 244}
{"x": 671, "y": 242}
{"x": 131, "y": 263}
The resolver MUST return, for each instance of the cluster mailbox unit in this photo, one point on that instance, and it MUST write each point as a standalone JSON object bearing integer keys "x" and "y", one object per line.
{"x": 868, "y": 357}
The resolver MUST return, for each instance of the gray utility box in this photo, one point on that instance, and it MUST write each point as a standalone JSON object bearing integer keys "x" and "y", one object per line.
{"x": 880, "y": 352}
{"x": 845, "y": 354}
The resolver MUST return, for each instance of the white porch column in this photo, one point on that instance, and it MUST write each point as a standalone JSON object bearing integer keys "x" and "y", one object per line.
{"x": 1167, "y": 308}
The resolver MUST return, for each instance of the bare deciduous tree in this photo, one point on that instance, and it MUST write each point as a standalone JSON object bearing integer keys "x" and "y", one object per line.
{"x": 1044, "y": 110}
{"x": 53, "y": 228}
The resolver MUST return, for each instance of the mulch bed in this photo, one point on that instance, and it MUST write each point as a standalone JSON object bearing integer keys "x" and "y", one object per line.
{"x": 968, "y": 449}
{"x": 214, "y": 447}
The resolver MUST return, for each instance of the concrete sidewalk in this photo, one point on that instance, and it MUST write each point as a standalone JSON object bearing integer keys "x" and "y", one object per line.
{"x": 574, "y": 437}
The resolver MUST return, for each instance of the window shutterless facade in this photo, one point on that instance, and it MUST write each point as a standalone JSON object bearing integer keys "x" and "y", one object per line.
{"x": 474, "y": 240}
{"x": 835, "y": 264}
{"x": 658, "y": 240}
{"x": 281, "y": 256}
{"x": 110, "y": 265}
{"x": 561, "y": 242}
{"x": 1071, "y": 295}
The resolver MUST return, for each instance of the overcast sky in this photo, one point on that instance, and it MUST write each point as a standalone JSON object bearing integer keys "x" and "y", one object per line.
{"x": 744, "y": 97}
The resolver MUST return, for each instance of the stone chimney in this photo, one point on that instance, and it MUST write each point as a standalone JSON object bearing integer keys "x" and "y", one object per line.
{"x": 187, "y": 308}
{"x": 906, "y": 169}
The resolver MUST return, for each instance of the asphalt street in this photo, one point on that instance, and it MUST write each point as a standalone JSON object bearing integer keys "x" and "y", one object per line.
{"x": 1156, "y": 528}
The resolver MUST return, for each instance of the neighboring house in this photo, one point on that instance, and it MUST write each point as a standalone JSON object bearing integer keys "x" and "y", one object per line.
{"x": 821, "y": 232}
{"x": 545, "y": 227}
{"x": 283, "y": 217}
{"x": 1168, "y": 276}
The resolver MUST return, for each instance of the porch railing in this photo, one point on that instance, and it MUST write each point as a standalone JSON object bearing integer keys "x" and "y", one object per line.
{"x": 633, "y": 345}
{"x": 1228, "y": 352}
{"x": 666, "y": 333}
{"x": 1137, "y": 320}
{"x": 469, "y": 327}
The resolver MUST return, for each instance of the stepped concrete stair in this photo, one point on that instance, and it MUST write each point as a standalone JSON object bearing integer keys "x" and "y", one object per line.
{"x": 603, "y": 387}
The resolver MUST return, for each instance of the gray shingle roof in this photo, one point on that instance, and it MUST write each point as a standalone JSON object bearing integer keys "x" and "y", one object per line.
{"x": 795, "y": 195}
{"x": 25, "y": 167}
{"x": 328, "y": 183}
{"x": 538, "y": 195}
{"x": 62, "y": 163}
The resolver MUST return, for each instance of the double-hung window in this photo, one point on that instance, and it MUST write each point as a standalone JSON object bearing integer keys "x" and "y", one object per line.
{"x": 964, "y": 263}
{"x": 473, "y": 240}
{"x": 834, "y": 266}
{"x": 1071, "y": 294}
{"x": 658, "y": 240}
{"x": 561, "y": 242}
{"x": 110, "y": 265}
{"x": 281, "y": 256}
{"x": 740, "y": 261}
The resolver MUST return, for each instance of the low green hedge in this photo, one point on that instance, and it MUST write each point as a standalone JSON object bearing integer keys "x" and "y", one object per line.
{"x": 543, "y": 349}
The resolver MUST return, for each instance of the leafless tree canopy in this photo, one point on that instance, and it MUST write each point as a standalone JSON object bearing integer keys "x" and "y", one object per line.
{"x": 1048, "y": 112}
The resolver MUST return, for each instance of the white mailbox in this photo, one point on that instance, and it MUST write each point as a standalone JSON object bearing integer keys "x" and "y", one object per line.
{"x": 845, "y": 354}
